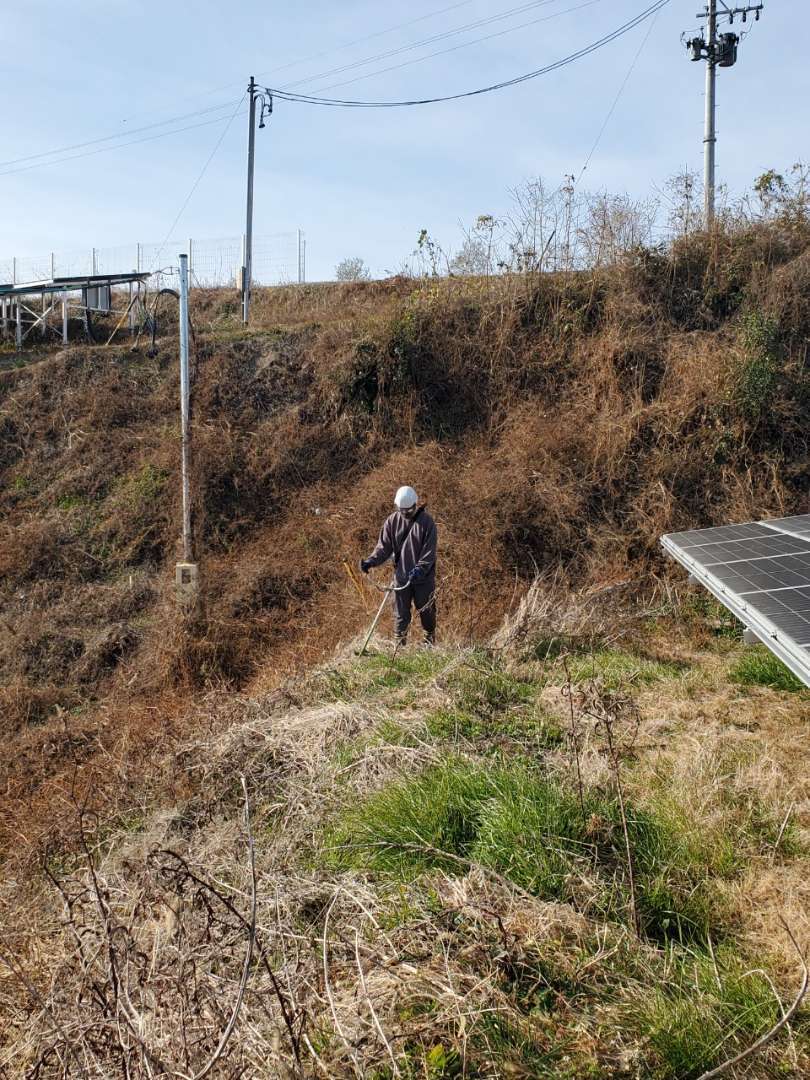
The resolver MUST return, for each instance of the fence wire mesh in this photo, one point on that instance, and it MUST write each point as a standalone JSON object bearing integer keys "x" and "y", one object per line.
{"x": 278, "y": 259}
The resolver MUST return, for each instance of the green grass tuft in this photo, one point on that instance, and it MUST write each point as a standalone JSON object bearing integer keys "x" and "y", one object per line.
{"x": 374, "y": 675}
{"x": 759, "y": 667}
{"x": 487, "y": 690}
{"x": 704, "y": 1015}
{"x": 517, "y": 821}
{"x": 533, "y": 728}
{"x": 617, "y": 668}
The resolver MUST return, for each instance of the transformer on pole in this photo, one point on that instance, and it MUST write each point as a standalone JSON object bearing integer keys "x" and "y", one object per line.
{"x": 719, "y": 50}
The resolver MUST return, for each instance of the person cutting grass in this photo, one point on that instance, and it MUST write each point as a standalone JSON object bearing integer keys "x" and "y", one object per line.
{"x": 408, "y": 536}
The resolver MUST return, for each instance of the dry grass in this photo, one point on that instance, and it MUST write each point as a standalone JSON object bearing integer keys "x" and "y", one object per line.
{"x": 556, "y": 425}
{"x": 451, "y": 967}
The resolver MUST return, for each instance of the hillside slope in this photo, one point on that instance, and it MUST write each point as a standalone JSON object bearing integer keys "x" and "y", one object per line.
{"x": 556, "y": 425}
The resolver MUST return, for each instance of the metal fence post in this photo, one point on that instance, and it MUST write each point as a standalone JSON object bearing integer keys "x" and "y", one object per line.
{"x": 93, "y": 262}
{"x": 64, "y": 318}
{"x": 138, "y": 258}
{"x": 184, "y": 406}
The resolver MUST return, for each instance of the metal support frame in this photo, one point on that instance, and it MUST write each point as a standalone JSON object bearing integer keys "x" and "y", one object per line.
{"x": 40, "y": 320}
{"x": 20, "y": 300}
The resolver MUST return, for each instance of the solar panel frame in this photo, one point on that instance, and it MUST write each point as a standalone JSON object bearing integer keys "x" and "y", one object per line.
{"x": 769, "y": 594}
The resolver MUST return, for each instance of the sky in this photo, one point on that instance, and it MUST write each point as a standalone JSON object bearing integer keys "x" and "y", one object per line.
{"x": 363, "y": 182}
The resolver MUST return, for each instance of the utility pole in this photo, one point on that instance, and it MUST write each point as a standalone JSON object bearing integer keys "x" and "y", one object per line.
{"x": 265, "y": 101}
{"x": 719, "y": 50}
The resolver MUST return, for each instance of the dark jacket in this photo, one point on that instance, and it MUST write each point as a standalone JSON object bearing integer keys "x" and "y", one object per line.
{"x": 419, "y": 549}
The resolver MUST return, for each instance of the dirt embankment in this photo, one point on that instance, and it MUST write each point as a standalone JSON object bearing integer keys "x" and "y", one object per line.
{"x": 555, "y": 424}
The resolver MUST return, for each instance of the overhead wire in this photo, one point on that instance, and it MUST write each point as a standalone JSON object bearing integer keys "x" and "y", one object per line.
{"x": 463, "y": 45}
{"x": 311, "y": 99}
{"x": 618, "y": 96}
{"x": 606, "y": 39}
{"x": 119, "y": 146}
{"x": 118, "y": 135}
{"x": 200, "y": 175}
{"x": 124, "y": 135}
{"x": 370, "y": 37}
{"x": 475, "y": 25}
{"x": 345, "y": 45}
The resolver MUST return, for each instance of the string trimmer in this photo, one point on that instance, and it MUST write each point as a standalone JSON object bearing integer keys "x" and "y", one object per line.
{"x": 388, "y": 590}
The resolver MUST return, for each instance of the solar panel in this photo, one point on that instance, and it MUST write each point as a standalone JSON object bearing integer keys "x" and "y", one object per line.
{"x": 760, "y": 571}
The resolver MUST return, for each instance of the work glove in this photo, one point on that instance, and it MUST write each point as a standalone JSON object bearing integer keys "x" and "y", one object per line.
{"x": 365, "y": 565}
{"x": 415, "y": 575}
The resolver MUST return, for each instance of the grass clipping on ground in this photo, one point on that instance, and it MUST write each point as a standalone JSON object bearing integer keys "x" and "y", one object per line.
{"x": 564, "y": 856}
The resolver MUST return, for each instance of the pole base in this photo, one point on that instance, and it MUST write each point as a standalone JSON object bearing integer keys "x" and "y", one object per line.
{"x": 186, "y": 584}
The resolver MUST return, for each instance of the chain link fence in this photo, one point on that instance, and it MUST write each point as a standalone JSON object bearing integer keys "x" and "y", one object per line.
{"x": 278, "y": 259}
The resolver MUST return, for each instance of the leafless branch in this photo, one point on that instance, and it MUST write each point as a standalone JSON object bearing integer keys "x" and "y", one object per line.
{"x": 786, "y": 1017}
{"x": 226, "y": 1034}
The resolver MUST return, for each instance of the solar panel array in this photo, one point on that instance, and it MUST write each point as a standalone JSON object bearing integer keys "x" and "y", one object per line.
{"x": 760, "y": 571}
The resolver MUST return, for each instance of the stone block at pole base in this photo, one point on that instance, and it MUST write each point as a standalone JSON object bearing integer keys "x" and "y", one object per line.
{"x": 186, "y": 584}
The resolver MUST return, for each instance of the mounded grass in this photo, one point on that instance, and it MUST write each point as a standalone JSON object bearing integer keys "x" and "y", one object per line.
{"x": 378, "y": 674}
{"x": 533, "y": 728}
{"x": 527, "y": 827}
{"x": 617, "y": 668}
{"x": 759, "y": 667}
{"x": 481, "y": 687}
{"x": 705, "y": 1012}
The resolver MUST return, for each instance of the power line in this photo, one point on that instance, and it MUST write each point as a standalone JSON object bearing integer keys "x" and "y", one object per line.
{"x": 616, "y": 100}
{"x": 118, "y": 146}
{"x": 334, "y": 49}
{"x": 463, "y": 45}
{"x": 424, "y": 41}
{"x": 370, "y": 37}
{"x": 309, "y": 99}
{"x": 119, "y": 135}
{"x": 196, "y": 183}
{"x": 224, "y": 105}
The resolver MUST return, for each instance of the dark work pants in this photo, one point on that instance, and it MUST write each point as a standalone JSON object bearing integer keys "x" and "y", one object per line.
{"x": 422, "y": 596}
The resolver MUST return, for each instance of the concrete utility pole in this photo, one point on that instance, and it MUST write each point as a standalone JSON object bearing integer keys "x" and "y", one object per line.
{"x": 265, "y": 102}
{"x": 710, "y": 125}
{"x": 720, "y": 50}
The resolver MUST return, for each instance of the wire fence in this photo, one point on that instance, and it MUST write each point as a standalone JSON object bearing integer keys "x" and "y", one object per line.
{"x": 278, "y": 259}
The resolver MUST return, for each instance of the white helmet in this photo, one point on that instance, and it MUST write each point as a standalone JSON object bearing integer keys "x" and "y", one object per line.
{"x": 405, "y": 498}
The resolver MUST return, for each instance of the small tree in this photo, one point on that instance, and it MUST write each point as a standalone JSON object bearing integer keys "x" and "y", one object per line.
{"x": 477, "y": 255}
{"x": 352, "y": 269}
{"x": 683, "y": 194}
